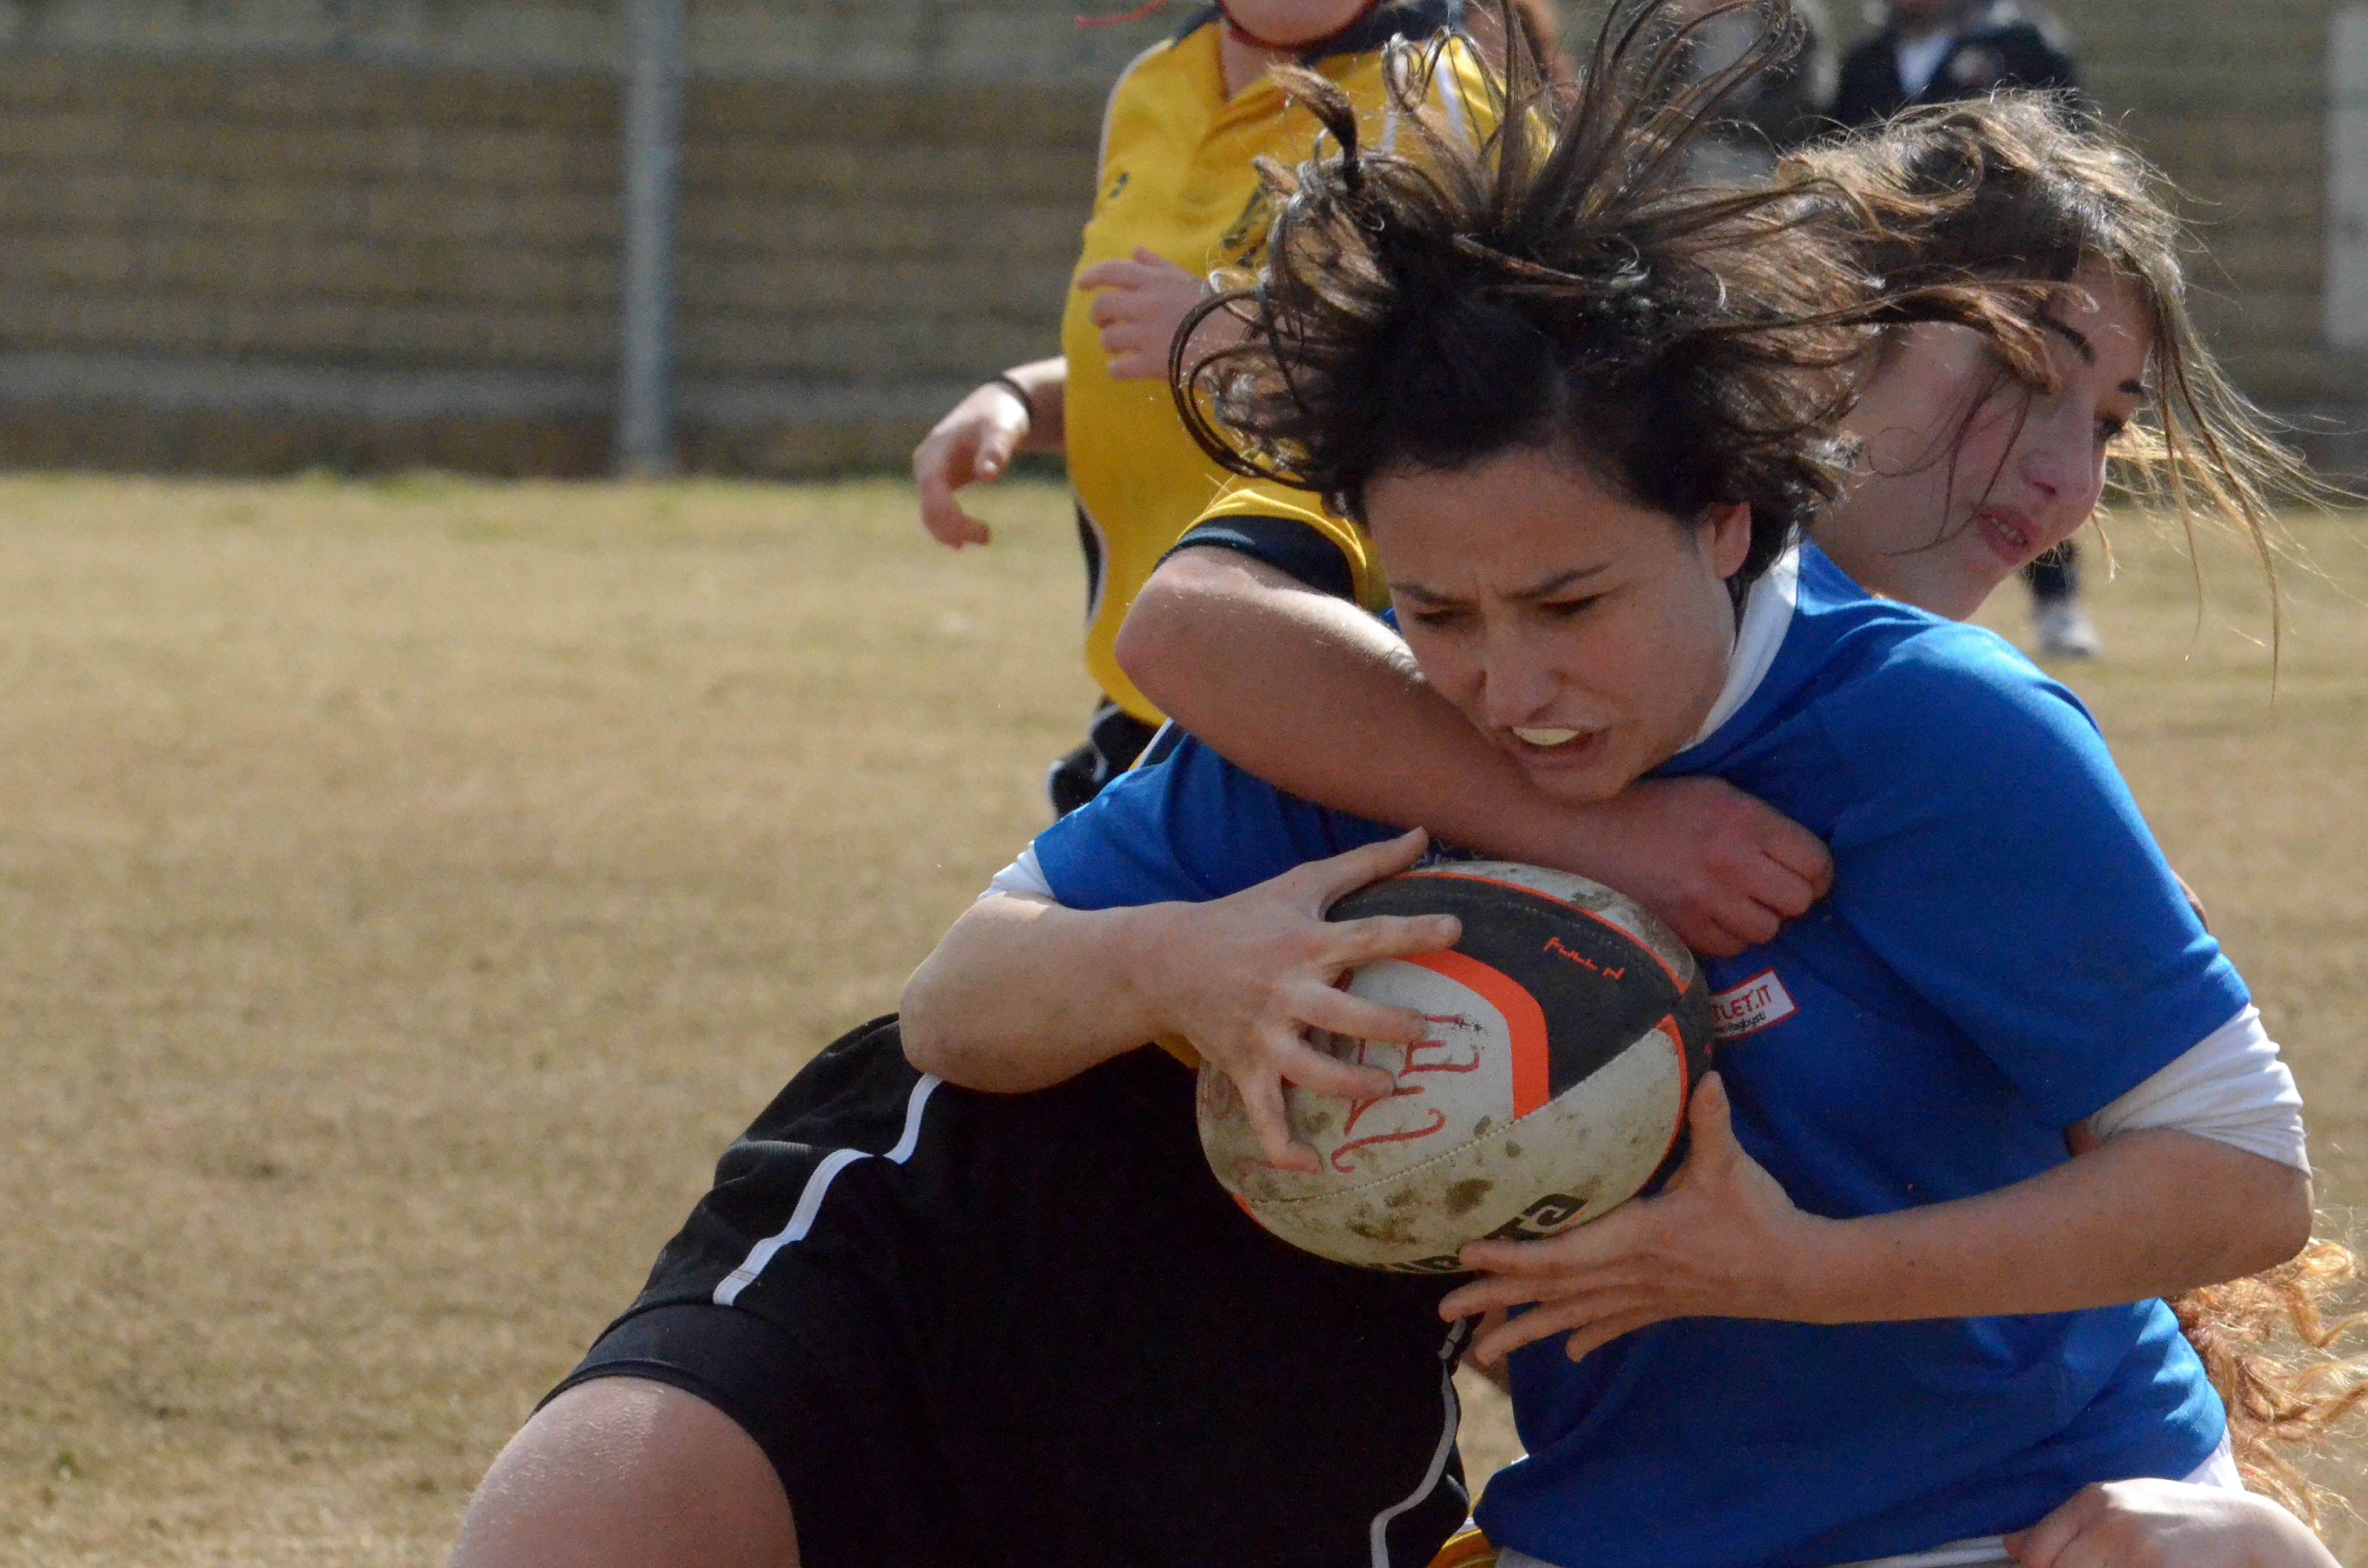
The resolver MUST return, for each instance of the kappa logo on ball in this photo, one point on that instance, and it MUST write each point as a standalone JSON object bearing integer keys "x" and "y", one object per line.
{"x": 1749, "y": 1007}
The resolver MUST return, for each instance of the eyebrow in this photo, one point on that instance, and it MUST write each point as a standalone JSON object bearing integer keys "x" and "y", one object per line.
{"x": 1559, "y": 582}
{"x": 2073, "y": 335}
{"x": 2087, "y": 350}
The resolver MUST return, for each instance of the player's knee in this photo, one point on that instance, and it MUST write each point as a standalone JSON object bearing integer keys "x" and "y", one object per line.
{"x": 621, "y": 1470}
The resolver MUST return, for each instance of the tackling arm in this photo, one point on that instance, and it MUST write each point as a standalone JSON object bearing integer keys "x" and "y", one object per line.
{"x": 1310, "y": 693}
{"x": 1023, "y": 993}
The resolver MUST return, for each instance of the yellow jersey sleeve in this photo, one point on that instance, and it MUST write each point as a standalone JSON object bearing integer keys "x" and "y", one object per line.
{"x": 1290, "y": 530}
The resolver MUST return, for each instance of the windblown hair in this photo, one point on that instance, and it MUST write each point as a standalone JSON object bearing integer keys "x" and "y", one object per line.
{"x": 2275, "y": 1354}
{"x": 2022, "y": 188}
{"x": 2026, "y": 186}
{"x": 1556, "y": 284}
{"x": 1539, "y": 31}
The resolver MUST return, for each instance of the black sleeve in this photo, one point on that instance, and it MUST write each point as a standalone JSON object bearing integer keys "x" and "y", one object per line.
{"x": 2033, "y": 61}
{"x": 1288, "y": 545}
{"x": 1869, "y": 88}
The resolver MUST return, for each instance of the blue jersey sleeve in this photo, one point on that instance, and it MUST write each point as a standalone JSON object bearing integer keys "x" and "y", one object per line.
{"x": 1994, "y": 860}
{"x": 1191, "y": 827}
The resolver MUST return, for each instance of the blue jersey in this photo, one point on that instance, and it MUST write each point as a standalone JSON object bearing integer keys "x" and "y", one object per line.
{"x": 2003, "y": 953}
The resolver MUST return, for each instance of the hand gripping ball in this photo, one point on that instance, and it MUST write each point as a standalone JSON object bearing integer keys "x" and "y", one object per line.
{"x": 1568, "y": 1028}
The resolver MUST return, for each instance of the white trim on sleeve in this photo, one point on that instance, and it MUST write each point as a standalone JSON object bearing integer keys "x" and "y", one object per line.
{"x": 2230, "y": 1088}
{"x": 1022, "y": 876}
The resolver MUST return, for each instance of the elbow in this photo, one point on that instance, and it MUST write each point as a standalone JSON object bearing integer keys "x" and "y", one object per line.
{"x": 2281, "y": 1218}
{"x": 929, "y": 1024}
{"x": 2295, "y": 1216}
{"x": 929, "y": 1046}
{"x": 1154, "y": 644}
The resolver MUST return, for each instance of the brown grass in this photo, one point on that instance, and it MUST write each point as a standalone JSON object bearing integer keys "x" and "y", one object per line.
{"x": 406, "y": 889}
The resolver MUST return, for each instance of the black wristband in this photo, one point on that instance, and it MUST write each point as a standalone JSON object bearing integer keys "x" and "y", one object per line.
{"x": 1010, "y": 384}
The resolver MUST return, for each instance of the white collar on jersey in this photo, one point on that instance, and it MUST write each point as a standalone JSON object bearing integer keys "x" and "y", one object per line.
{"x": 1767, "y": 616}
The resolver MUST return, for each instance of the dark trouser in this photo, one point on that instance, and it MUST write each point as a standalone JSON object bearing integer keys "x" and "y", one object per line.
{"x": 1114, "y": 738}
{"x": 2055, "y": 576}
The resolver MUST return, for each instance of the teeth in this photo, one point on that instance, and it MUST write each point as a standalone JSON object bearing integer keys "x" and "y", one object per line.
{"x": 1547, "y": 737}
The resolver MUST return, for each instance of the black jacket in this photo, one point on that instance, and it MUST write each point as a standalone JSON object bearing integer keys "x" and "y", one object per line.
{"x": 2008, "y": 46}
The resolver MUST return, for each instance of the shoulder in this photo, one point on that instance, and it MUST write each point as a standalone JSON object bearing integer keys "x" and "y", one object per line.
{"x": 1292, "y": 531}
{"x": 1927, "y": 695}
{"x": 1947, "y": 730}
{"x": 1988, "y": 850}
{"x": 1915, "y": 706}
{"x": 1867, "y": 85}
{"x": 1143, "y": 81}
{"x": 1463, "y": 91}
{"x": 1144, "y": 98}
{"x": 1455, "y": 86}
{"x": 1415, "y": 20}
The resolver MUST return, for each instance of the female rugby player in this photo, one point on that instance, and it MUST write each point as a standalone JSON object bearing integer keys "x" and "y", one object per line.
{"x": 1962, "y": 475}
{"x": 1176, "y": 194}
{"x": 1880, "y": 1309}
{"x": 914, "y": 1324}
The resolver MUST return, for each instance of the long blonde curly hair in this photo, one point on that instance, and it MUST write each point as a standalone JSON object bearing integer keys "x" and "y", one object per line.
{"x": 2274, "y": 1345}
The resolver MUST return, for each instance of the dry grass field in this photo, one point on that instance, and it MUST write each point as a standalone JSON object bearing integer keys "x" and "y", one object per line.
{"x": 406, "y": 889}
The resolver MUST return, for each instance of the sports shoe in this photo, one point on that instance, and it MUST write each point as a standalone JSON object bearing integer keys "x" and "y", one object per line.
{"x": 2064, "y": 631}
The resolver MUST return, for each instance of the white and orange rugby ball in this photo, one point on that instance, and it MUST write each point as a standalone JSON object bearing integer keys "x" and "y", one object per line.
{"x": 1568, "y": 1028}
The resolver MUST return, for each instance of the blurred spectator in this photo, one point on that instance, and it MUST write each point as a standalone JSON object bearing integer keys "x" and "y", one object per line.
{"x": 1932, "y": 51}
{"x": 1771, "y": 113}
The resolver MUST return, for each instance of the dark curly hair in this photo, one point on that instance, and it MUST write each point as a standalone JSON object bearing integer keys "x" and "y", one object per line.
{"x": 1557, "y": 283}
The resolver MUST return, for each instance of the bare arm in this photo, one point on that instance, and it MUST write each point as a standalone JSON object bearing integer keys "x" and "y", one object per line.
{"x": 1307, "y": 692}
{"x": 1046, "y": 382}
{"x": 2146, "y": 1214}
{"x": 974, "y": 443}
{"x": 1023, "y": 993}
{"x": 2168, "y": 1524}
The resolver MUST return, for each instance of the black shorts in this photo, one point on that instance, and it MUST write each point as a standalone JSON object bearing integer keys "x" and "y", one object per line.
{"x": 972, "y": 1330}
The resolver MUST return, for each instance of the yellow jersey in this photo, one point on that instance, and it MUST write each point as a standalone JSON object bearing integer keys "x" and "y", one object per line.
{"x": 1177, "y": 178}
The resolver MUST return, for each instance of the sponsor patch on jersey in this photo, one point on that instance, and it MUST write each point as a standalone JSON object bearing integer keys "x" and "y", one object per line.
{"x": 1751, "y": 1006}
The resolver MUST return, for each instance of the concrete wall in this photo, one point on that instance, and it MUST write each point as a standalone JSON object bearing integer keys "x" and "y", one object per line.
{"x": 236, "y": 258}
{"x": 999, "y": 41}
{"x": 2231, "y": 97}
{"x": 268, "y": 233}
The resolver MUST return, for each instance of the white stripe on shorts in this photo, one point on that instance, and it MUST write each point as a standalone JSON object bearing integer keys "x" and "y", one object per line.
{"x": 1449, "y": 1354}
{"x": 1981, "y": 1551}
{"x": 809, "y": 1205}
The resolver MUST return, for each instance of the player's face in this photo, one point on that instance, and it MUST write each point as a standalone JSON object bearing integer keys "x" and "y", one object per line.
{"x": 1587, "y": 636}
{"x": 1293, "y": 21}
{"x": 1965, "y": 475}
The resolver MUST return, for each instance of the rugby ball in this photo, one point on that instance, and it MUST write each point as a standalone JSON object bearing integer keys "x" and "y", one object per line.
{"x": 1568, "y": 1028}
